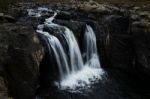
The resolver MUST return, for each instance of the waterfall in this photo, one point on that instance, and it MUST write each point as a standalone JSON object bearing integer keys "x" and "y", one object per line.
{"x": 58, "y": 51}
{"x": 75, "y": 57}
{"x": 91, "y": 71}
{"x": 74, "y": 73}
{"x": 76, "y": 61}
{"x": 90, "y": 47}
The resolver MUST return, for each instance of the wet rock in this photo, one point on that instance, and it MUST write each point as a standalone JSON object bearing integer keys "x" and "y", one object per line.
{"x": 3, "y": 84}
{"x": 141, "y": 37}
{"x": 22, "y": 54}
{"x": 3, "y": 89}
{"x": 7, "y": 17}
{"x": 117, "y": 24}
{"x": 118, "y": 42}
{"x": 64, "y": 15}
{"x": 78, "y": 27}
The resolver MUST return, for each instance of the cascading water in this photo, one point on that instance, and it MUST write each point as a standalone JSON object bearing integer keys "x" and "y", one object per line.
{"x": 75, "y": 57}
{"x": 74, "y": 73}
{"x": 91, "y": 56}
{"x": 91, "y": 71}
{"x": 75, "y": 54}
{"x": 59, "y": 53}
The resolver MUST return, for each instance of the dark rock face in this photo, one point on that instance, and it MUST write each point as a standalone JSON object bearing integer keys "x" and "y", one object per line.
{"x": 126, "y": 42}
{"x": 3, "y": 85}
{"x": 141, "y": 37}
{"x": 22, "y": 54}
{"x": 118, "y": 42}
{"x": 48, "y": 70}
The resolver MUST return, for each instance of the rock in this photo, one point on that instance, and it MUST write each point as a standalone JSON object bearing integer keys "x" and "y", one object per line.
{"x": 98, "y": 8}
{"x": 1, "y": 16}
{"x": 77, "y": 27}
{"x": 118, "y": 42}
{"x": 49, "y": 71}
{"x": 3, "y": 89}
{"x": 103, "y": 9}
{"x": 87, "y": 7}
{"x": 63, "y": 15}
{"x": 144, "y": 14}
{"x": 3, "y": 84}
{"x": 141, "y": 37}
{"x": 22, "y": 54}
{"x": 136, "y": 8}
{"x": 117, "y": 24}
{"x": 139, "y": 15}
{"x": 7, "y": 17}
{"x": 135, "y": 17}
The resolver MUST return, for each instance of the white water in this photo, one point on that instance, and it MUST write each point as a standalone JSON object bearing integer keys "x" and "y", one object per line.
{"x": 73, "y": 72}
{"x": 36, "y": 12}
{"x": 91, "y": 48}
{"x": 91, "y": 71}
{"x": 82, "y": 78}
{"x": 75, "y": 57}
{"x": 58, "y": 51}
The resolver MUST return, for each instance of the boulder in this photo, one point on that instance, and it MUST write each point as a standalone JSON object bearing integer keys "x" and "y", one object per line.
{"x": 21, "y": 55}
